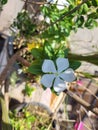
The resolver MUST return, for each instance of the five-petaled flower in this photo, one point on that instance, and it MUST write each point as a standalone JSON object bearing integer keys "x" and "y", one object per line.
{"x": 57, "y": 74}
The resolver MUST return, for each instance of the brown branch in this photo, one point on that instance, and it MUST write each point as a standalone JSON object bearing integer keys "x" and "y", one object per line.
{"x": 11, "y": 61}
{"x": 82, "y": 102}
{"x": 33, "y": 2}
{"x": 8, "y": 67}
{"x": 41, "y": 3}
{"x": 23, "y": 61}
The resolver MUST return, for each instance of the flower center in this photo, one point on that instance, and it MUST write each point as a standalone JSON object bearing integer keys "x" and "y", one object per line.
{"x": 56, "y": 74}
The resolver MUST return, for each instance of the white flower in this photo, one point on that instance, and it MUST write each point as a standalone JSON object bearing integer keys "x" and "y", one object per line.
{"x": 57, "y": 75}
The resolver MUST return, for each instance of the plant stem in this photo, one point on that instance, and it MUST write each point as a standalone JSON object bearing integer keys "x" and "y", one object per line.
{"x": 91, "y": 58}
{"x": 5, "y": 117}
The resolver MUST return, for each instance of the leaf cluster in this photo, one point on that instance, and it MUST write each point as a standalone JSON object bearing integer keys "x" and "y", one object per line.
{"x": 24, "y": 24}
{"x": 30, "y": 117}
{"x": 47, "y": 52}
{"x": 57, "y": 27}
{"x": 63, "y": 22}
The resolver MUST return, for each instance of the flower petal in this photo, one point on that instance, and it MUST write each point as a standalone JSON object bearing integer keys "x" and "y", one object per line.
{"x": 59, "y": 85}
{"x": 48, "y": 66}
{"x": 68, "y": 75}
{"x": 47, "y": 80}
{"x": 62, "y": 64}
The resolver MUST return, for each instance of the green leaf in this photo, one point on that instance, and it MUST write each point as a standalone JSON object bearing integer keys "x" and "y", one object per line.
{"x": 31, "y": 119}
{"x": 54, "y": 17}
{"x": 80, "y": 10}
{"x": 89, "y": 3}
{"x": 24, "y": 24}
{"x": 97, "y": 10}
{"x": 49, "y": 50}
{"x": 28, "y": 90}
{"x": 93, "y": 15}
{"x": 91, "y": 23}
{"x": 44, "y": 10}
{"x": 3, "y": 2}
{"x": 66, "y": 52}
{"x": 85, "y": 8}
{"x": 80, "y": 21}
{"x": 60, "y": 53}
{"x": 74, "y": 64}
{"x": 37, "y": 53}
{"x": 67, "y": 32}
{"x": 95, "y": 3}
{"x": 35, "y": 67}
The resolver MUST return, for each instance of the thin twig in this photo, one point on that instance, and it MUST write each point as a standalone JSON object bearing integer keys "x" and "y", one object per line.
{"x": 42, "y": 3}
{"x": 88, "y": 118}
{"x": 33, "y": 2}
{"x": 82, "y": 102}
{"x": 89, "y": 91}
{"x": 69, "y": 12}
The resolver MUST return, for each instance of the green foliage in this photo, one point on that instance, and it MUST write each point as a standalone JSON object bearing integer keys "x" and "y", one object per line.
{"x": 57, "y": 29}
{"x": 48, "y": 51}
{"x": 90, "y": 23}
{"x": 60, "y": 22}
{"x": 66, "y": 51}
{"x": 63, "y": 22}
{"x": 83, "y": 9}
{"x": 30, "y": 117}
{"x": 22, "y": 121}
{"x": 35, "y": 67}
{"x": 74, "y": 64}
{"x": 80, "y": 21}
{"x": 95, "y": 3}
{"x": 24, "y": 24}
{"x": 38, "y": 53}
{"x": 54, "y": 31}
{"x": 28, "y": 89}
